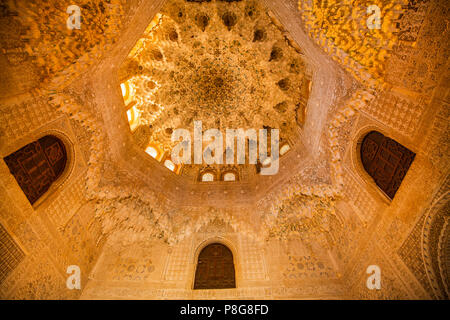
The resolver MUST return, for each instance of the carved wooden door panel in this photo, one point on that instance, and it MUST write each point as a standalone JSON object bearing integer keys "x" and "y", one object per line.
{"x": 386, "y": 161}
{"x": 37, "y": 165}
{"x": 215, "y": 268}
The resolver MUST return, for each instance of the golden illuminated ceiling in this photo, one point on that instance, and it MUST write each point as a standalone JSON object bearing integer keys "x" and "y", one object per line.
{"x": 228, "y": 64}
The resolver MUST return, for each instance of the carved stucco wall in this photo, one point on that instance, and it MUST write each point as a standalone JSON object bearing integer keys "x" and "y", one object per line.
{"x": 151, "y": 269}
{"x": 57, "y": 231}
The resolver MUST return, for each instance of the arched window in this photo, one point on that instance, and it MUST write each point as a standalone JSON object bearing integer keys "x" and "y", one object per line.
{"x": 386, "y": 161}
{"x": 207, "y": 177}
{"x": 152, "y": 152}
{"x": 169, "y": 165}
{"x": 37, "y": 165}
{"x": 127, "y": 92}
{"x": 133, "y": 118}
{"x": 267, "y": 162}
{"x": 284, "y": 149}
{"x": 124, "y": 90}
{"x": 215, "y": 268}
{"x": 229, "y": 176}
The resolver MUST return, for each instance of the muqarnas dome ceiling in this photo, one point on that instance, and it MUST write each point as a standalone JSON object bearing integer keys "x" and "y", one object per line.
{"x": 228, "y": 64}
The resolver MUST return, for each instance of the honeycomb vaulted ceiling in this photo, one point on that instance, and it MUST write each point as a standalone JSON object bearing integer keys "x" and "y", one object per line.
{"x": 228, "y": 64}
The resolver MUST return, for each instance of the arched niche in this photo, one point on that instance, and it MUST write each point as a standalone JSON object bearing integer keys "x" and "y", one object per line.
{"x": 207, "y": 177}
{"x": 39, "y": 165}
{"x": 205, "y": 174}
{"x": 229, "y": 176}
{"x": 385, "y": 160}
{"x": 215, "y": 268}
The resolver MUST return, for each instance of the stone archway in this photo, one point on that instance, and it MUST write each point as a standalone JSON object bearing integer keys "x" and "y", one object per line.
{"x": 215, "y": 268}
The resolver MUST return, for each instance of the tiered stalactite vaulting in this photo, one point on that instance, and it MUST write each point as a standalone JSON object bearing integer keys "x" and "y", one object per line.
{"x": 362, "y": 52}
{"x": 36, "y": 36}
